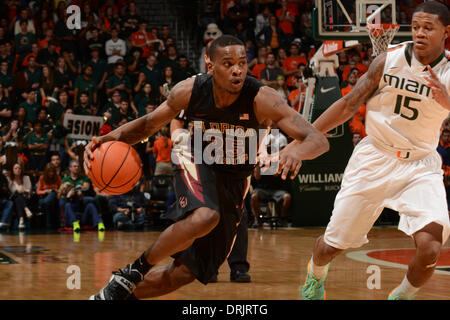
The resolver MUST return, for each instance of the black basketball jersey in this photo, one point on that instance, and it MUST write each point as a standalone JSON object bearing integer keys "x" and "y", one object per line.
{"x": 229, "y": 136}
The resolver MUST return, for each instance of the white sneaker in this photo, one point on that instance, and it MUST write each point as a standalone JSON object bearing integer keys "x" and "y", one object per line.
{"x": 28, "y": 213}
{"x": 21, "y": 224}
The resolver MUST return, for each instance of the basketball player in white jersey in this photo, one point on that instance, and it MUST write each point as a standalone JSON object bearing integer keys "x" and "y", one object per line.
{"x": 406, "y": 90}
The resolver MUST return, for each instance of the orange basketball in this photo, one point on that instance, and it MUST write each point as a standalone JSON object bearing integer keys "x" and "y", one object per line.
{"x": 116, "y": 167}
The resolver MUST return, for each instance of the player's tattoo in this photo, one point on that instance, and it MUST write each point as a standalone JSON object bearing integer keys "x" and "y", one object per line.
{"x": 297, "y": 120}
{"x": 278, "y": 103}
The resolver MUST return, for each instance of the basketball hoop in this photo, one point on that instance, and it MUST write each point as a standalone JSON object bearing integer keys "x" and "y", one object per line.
{"x": 381, "y": 36}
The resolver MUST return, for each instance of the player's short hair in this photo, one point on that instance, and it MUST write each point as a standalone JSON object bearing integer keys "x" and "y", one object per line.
{"x": 437, "y": 8}
{"x": 222, "y": 42}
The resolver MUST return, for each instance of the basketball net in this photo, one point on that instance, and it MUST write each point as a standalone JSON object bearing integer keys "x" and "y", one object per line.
{"x": 381, "y": 36}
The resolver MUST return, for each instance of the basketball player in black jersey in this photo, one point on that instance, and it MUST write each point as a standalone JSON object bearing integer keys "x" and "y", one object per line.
{"x": 209, "y": 194}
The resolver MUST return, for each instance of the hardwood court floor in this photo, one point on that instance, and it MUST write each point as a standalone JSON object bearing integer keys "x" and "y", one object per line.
{"x": 278, "y": 260}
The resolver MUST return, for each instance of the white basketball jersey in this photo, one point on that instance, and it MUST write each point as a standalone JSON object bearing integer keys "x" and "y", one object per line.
{"x": 402, "y": 113}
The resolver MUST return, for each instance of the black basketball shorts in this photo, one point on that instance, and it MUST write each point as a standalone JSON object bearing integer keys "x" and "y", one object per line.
{"x": 199, "y": 185}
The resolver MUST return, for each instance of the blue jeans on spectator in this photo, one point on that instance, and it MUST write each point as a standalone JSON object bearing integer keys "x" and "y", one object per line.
{"x": 81, "y": 209}
{"x": 126, "y": 221}
{"x": 50, "y": 207}
{"x": 6, "y": 207}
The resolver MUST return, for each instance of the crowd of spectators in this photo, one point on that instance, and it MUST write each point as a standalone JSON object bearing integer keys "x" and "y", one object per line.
{"x": 118, "y": 68}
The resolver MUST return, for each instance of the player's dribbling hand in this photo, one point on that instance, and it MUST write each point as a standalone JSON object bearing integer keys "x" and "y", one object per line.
{"x": 289, "y": 161}
{"x": 88, "y": 155}
{"x": 438, "y": 89}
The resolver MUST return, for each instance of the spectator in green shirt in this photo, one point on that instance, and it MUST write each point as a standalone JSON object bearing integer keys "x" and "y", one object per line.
{"x": 23, "y": 40}
{"x": 119, "y": 81}
{"x": 85, "y": 83}
{"x": 99, "y": 68}
{"x": 79, "y": 208}
{"x": 6, "y": 79}
{"x": 33, "y": 73}
{"x": 152, "y": 73}
{"x": 30, "y": 105}
{"x": 84, "y": 108}
{"x": 38, "y": 144}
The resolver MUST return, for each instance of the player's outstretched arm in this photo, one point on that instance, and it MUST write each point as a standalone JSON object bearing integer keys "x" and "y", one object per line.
{"x": 145, "y": 126}
{"x": 344, "y": 108}
{"x": 269, "y": 105}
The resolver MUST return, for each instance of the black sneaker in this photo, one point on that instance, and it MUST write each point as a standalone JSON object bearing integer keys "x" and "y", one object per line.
{"x": 240, "y": 276}
{"x": 120, "y": 286}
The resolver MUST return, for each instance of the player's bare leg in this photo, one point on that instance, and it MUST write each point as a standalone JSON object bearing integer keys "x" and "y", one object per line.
{"x": 428, "y": 243}
{"x": 177, "y": 237}
{"x": 162, "y": 280}
{"x": 314, "y": 288}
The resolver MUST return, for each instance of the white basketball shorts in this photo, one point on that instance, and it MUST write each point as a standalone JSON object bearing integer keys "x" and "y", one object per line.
{"x": 375, "y": 179}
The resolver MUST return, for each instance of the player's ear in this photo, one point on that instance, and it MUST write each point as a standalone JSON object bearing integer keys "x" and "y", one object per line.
{"x": 447, "y": 32}
{"x": 209, "y": 66}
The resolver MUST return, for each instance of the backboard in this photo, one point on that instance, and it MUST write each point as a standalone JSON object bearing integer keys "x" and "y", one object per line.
{"x": 347, "y": 19}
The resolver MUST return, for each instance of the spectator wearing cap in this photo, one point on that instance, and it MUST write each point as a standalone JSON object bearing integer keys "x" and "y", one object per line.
{"x": 119, "y": 81}
{"x": 291, "y": 64}
{"x": 85, "y": 83}
{"x": 115, "y": 47}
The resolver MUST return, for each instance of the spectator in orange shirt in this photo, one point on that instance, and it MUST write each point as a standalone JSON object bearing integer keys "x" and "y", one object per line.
{"x": 291, "y": 65}
{"x": 286, "y": 16}
{"x": 259, "y": 66}
{"x": 357, "y": 122}
{"x": 143, "y": 39}
{"x": 297, "y": 96}
{"x": 348, "y": 68}
{"x": 162, "y": 149}
{"x": 47, "y": 189}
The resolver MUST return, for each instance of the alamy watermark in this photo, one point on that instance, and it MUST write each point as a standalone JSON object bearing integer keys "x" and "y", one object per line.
{"x": 73, "y": 17}
{"x": 227, "y": 146}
